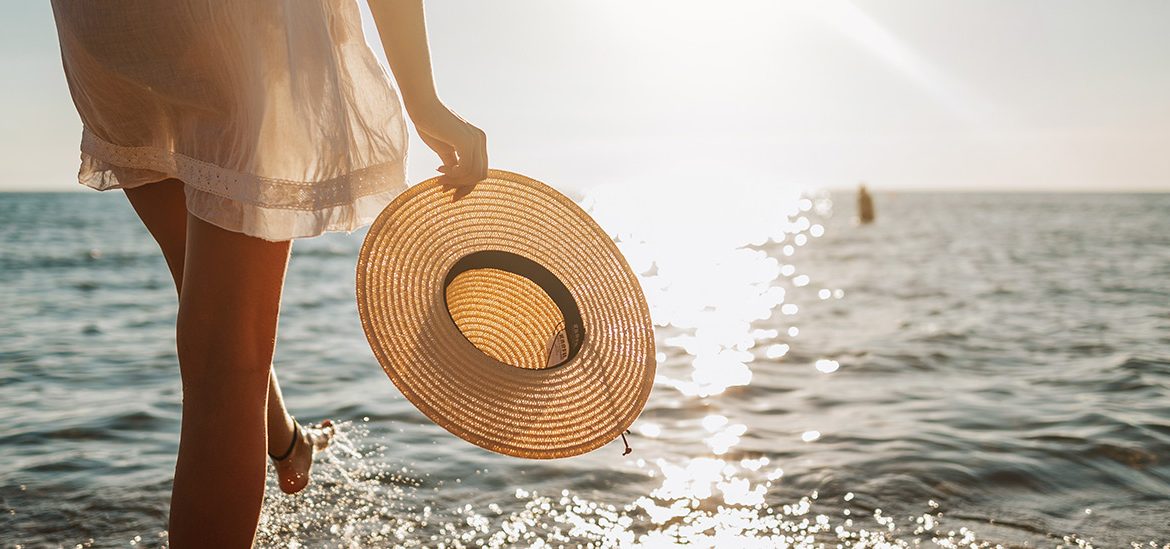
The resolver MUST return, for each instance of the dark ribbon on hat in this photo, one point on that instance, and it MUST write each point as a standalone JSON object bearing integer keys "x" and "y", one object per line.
{"x": 538, "y": 274}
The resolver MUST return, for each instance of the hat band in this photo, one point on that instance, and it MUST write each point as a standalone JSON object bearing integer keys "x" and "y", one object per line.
{"x": 574, "y": 332}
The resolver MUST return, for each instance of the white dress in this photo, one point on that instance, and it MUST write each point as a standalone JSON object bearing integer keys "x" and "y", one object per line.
{"x": 275, "y": 114}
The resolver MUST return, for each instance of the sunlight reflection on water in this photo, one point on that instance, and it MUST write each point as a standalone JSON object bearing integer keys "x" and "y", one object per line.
{"x": 358, "y": 500}
{"x": 704, "y": 264}
{"x": 702, "y": 269}
{"x": 1002, "y": 356}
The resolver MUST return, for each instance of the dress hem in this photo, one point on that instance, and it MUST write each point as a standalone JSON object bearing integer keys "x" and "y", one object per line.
{"x": 232, "y": 200}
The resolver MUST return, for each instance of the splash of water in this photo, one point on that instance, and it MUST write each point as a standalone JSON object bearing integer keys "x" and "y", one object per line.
{"x": 357, "y": 498}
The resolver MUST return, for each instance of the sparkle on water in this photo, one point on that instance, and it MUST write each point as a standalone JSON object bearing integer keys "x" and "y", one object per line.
{"x": 720, "y": 458}
{"x": 358, "y": 500}
{"x": 711, "y": 281}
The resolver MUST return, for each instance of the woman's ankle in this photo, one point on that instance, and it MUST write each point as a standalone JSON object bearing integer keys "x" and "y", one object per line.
{"x": 280, "y": 435}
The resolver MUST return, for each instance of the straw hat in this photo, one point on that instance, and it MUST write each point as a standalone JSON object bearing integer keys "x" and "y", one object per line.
{"x": 507, "y": 316}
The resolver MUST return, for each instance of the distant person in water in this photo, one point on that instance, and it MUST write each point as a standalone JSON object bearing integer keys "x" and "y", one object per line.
{"x": 864, "y": 205}
{"x": 234, "y": 128}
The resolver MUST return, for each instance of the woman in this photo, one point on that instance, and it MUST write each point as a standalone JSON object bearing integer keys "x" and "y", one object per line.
{"x": 233, "y": 128}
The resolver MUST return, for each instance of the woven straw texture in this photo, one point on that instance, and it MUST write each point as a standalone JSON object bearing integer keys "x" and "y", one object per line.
{"x": 490, "y": 383}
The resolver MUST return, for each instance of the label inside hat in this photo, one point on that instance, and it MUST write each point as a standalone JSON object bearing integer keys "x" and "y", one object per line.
{"x": 557, "y": 349}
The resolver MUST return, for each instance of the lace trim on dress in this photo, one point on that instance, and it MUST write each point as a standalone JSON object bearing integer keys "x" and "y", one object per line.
{"x": 264, "y": 192}
{"x": 276, "y": 224}
{"x": 266, "y": 208}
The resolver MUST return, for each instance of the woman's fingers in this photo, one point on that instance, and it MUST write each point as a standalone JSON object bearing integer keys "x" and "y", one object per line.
{"x": 445, "y": 151}
{"x": 479, "y": 160}
{"x": 472, "y": 152}
{"x": 461, "y": 147}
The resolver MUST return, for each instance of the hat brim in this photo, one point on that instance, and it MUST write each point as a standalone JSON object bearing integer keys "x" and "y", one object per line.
{"x": 555, "y": 412}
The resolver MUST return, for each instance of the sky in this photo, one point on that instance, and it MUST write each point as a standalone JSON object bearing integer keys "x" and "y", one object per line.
{"x": 686, "y": 96}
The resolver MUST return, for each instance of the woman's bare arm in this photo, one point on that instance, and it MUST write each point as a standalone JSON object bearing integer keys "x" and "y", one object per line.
{"x": 461, "y": 146}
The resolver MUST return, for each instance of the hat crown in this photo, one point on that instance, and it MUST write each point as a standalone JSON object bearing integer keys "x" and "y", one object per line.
{"x": 513, "y": 309}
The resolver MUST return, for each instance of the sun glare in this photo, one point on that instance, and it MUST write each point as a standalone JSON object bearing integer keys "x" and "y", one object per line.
{"x": 854, "y": 24}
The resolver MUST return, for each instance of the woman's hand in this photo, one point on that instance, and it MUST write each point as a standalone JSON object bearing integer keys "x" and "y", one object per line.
{"x": 461, "y": 146}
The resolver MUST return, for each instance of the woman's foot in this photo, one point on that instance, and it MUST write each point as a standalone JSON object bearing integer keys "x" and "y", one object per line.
{"x": 292, "y": 469}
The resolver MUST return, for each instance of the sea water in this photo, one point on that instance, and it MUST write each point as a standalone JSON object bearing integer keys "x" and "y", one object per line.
{"x": 970, "y": 370}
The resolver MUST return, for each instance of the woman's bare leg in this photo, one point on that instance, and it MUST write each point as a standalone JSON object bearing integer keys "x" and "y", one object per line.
{"x": 292, "y": 471}
{"x": 228, "y": 309}
{"x": 162, "y": 207}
